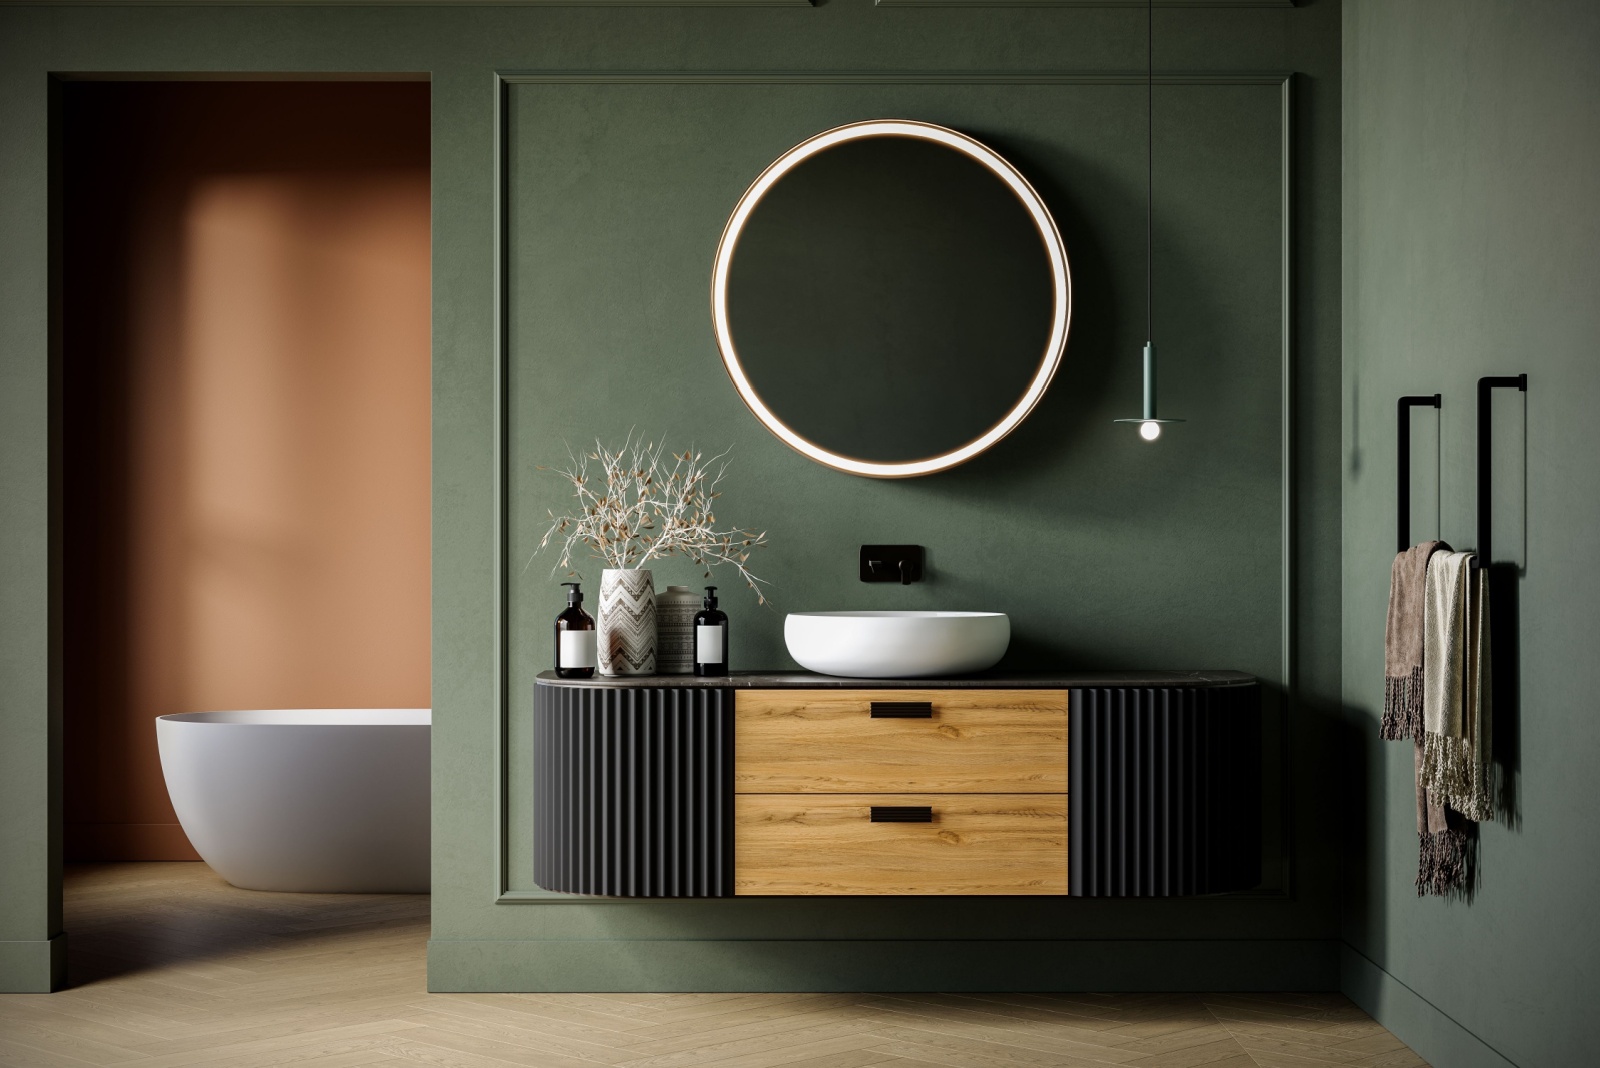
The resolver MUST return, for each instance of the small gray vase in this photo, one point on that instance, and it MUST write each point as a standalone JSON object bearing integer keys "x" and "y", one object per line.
{"x": 675, "y": 609}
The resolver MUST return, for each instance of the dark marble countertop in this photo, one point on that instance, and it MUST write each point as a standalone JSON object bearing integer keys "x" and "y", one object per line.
{"x": 796, "y": 680}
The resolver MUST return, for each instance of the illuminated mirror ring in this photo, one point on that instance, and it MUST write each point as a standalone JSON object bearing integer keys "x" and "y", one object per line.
{"x": 1060, "y": 289}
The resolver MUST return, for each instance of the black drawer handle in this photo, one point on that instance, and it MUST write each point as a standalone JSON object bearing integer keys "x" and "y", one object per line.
{"x": 902, "y": 813}
{"x": 902, "y": 710}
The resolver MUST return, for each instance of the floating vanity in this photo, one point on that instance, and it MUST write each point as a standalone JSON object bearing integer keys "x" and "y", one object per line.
{"x": 1125, "y": 785}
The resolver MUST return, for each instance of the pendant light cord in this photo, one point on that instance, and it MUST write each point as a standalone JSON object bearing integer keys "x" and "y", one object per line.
{"x": 1149, "y": 170}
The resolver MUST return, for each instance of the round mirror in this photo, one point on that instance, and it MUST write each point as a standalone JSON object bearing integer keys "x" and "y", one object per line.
{"x": 891, "y": 298}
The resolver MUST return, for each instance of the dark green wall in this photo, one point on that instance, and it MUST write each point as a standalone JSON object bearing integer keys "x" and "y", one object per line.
{"x": 1472, "y": 247}
{"x": 1106, "y": 551}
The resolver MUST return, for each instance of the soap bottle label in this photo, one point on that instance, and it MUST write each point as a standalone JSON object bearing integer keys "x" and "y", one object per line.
{"x": 708, "y": 644}
{"x": 578, "y": 649}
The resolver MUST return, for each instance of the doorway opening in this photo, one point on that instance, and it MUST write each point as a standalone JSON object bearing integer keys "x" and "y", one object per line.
{"x": 245, "y": 421}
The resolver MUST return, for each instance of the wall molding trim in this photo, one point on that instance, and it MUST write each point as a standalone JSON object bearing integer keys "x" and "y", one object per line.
{"x": 432, "y": 3}
{"x": 1286, "y": 685}
{"x": 1070, "y": 3}
{"x": 643, "y": 3}
{"x": 811, "y": 966}
{"x": 36, "y": 966}
{"x": 876, "y": 77}
{"x": 1434, "y": 1034}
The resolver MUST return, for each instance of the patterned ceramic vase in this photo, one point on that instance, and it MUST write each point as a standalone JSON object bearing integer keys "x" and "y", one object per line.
{"x": 627, "y": 622}
{"x": 675, "y": 609}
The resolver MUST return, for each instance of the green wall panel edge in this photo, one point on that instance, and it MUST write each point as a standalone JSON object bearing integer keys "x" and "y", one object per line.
{"x": 1414, "y": 1020}
{"x": 880, "y": 965}
{"x": 33, "y": 967}
{"x": 30, "y": 568}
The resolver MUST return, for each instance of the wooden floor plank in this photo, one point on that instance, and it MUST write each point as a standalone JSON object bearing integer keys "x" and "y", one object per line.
{"x": 1017, "y": 1047}
{"x": 592, "y": 1052}
{"x": 953, "y": 1057}
{"x": 941, "y": 1018}
{"x": 850, "y": 1058}
{"x": 1404, "y": 1057}
{"x": 691, "y": 1054}
{"x": 17, "y": 1055}
{"x": 782, "y": 1058}
{"x": 511, "y": 1052}
{"x": 1320, "y": 1031}
{"x": 1220, "y": 1051}
{"x": 549, "y": 1019}
{"x": 1047, "y": 1040}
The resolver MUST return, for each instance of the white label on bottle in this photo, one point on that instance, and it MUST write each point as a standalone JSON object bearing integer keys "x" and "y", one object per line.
{"x": 708, "y": 644}
{"x": 577, "y": 649}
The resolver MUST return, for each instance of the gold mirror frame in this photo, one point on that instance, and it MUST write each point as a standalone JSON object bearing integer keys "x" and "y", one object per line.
{"x": 1060, "y": 289}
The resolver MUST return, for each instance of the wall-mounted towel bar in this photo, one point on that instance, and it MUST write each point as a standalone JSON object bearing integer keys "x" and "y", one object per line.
{"x": 1403, "y": 494}
{"x": 1485, "y": 476}
{"x": 1485, "y": 434}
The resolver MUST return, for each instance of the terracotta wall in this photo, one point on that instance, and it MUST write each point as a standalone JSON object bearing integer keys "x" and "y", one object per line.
{"x": 246, "y": 410}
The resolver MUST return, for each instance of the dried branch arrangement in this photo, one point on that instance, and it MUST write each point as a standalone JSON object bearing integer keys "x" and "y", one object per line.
{"x": 640, "y": 503}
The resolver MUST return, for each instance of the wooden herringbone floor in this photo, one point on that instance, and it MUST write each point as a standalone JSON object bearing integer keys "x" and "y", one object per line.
{"x": 171, "y": 966}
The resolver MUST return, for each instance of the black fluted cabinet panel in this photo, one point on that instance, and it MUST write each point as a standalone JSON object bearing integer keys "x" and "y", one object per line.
{"x": 634, "y": 794}
{"x": 1164, "y": 791}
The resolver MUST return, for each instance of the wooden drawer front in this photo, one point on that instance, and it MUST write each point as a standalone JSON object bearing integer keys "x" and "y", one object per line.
{"x": 827, "y": 741}
{"x": 976, "y": 844}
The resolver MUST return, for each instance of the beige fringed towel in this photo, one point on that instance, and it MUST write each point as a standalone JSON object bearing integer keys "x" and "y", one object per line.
{"x": 1451, "y": 749}
{"x": 1435, "y": 664}
{"x": 1403, "y": 643}
{"x": 1456, "y": 715}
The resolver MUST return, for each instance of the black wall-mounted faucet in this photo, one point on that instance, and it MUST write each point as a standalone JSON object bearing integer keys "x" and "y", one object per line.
{"x": 891, "y": 563}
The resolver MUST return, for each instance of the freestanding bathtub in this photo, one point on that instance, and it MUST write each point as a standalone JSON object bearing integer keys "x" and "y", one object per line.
{"x": 331, "y": 800}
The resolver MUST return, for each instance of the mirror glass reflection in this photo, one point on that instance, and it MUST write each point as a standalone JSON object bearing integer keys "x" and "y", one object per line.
{"x": 891, "y": 299}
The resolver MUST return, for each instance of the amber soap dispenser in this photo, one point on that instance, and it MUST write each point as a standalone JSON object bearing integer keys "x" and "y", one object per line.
{"x": 710, "y": 637}
{"x": 576, "y": 647}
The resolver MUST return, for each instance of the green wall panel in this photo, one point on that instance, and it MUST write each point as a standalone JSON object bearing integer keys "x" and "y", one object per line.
{"x": 1472, "y": 244}
{"x": 616, "y": 195}
{"x": 1108, "y": 552}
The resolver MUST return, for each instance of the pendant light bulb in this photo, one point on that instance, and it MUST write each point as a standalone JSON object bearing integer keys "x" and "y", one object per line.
{"x": 1149, "y": 423}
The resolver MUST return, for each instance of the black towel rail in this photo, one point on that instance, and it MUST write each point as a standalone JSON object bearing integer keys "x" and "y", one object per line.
{"x": 1485, "y": 437}
{"x": 1486, "y": 385}
{"x": 1403, "y": 492}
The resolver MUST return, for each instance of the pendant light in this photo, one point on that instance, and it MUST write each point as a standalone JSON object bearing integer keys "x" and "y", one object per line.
{"x": 1149, "y": 425}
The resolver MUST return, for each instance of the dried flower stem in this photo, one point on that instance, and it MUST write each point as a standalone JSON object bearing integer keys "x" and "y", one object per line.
{"x": 644, "y": 504}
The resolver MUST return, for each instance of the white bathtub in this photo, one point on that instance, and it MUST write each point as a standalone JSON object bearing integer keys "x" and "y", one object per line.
{"x": 332, "y": 800}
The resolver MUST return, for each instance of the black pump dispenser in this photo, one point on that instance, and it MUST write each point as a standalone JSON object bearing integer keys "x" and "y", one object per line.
{"x": 576, "y": 647}
{"x": 710, "y": 637}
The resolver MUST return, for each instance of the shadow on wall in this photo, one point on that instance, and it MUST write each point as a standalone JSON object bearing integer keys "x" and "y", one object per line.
{"x": 247, "y": 420}
{"x": 1505, "y": 657}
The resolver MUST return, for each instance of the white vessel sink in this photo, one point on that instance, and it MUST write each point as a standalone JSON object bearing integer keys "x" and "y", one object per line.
{"x": 896, "y": 645}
